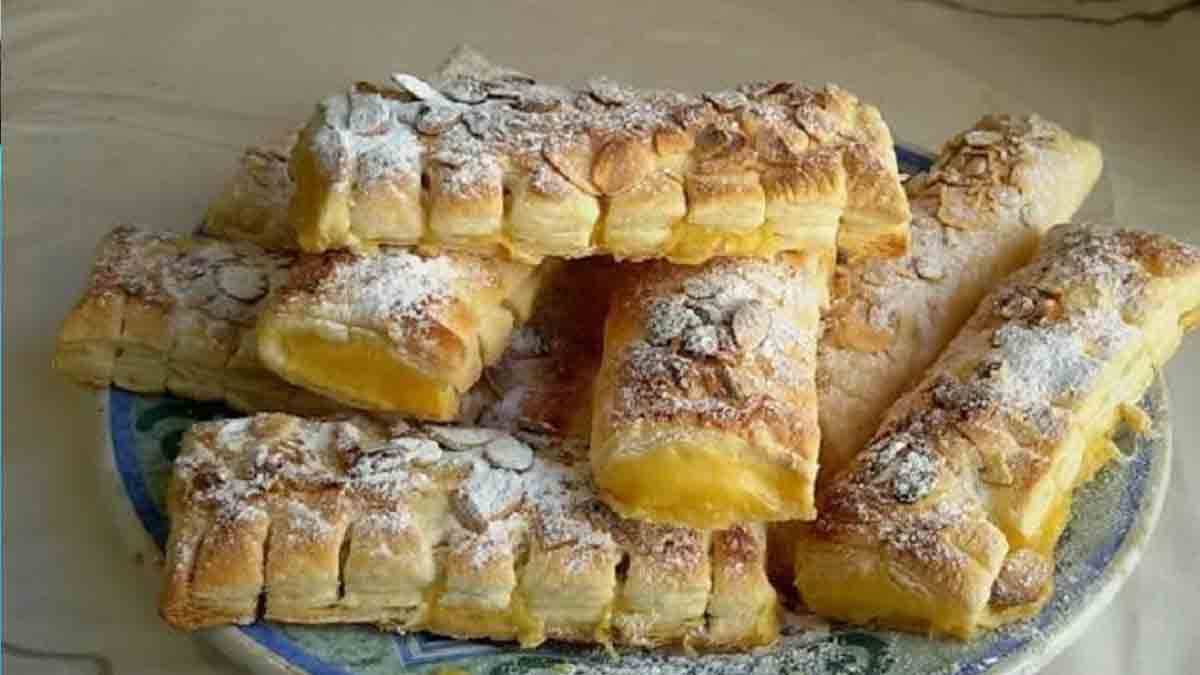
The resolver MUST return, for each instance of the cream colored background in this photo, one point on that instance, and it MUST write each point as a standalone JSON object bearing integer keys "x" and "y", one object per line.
{"x": 133, "y": 111}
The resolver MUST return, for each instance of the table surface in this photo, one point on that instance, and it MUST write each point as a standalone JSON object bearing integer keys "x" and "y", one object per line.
{"x": 122, "y": 111}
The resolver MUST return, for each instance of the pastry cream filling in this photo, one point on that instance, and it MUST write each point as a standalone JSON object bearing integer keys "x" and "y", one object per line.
{"x": 691, "y": 243}
{"x": 876, "y": 593}
{"x": 710, "y": 484}
{"x": 366, "y": 372}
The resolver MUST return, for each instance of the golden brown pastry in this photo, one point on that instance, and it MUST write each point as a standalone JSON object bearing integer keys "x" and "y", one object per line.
{"x": 499, "y": 162}
{"x": 977, "y": 216}
{"x": 166, "y": 312}
{"x": 395, "y": 331}
{"x": 948, "y": 520}
{"x": 254, "y": 204}
{"x": 456, "y": 530}
{"x": 705, "y": 405}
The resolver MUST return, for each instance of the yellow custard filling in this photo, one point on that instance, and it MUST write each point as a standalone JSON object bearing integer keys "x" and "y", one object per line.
{"x": 364, "y": 371}
{"x": 707, "y": 485}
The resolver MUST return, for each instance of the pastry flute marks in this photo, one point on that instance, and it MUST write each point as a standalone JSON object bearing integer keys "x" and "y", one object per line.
{"x": 165, "y": 312}
{"x": 978, "y": 214}
{"x": 507, "y": 164}
{"x": 948, "y": 520}
{"x": 460, "y": 531}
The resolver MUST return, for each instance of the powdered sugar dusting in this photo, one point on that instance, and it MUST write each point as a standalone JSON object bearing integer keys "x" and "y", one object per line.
{"x": 723, "y": 341}
{"x": 288, "y": 465}
{"x": 222, "y": 280}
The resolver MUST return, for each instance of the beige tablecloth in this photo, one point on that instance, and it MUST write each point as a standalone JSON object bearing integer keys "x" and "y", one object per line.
{"x": 133, "y": 111}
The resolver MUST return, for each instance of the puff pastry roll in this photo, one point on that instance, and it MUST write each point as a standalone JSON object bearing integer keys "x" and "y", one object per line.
{"x": 170, "y": 313}
{"x": 948, "y": 520}
{"x": 705, "y": 405}
{"x": 510, "y": 164}
{"x": 395, "y": 331}
{"x": 254, "y": 204}
{"x": 977, "y": 216}
{"x": 462, "y": 531}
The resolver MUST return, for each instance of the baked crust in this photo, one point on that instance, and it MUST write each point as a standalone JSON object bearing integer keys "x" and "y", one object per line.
{"x": 253, "y": 206}
{"x": 705, "y": 405}
{"x": 977, "y": 216}
{"x": 395, "y": 331}
{"x": 947, "y": 521}
{"x": 493, "y": 161}
{"x": 456, "y": 530}
{"x": 170, "y": 313}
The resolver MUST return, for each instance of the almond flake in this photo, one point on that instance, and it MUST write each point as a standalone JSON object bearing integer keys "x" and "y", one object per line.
{"x": 507, "y": 452}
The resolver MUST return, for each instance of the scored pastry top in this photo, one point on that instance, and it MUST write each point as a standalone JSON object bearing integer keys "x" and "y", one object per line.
{"x": 221, "y": 279}
{"x": 481, "y": 498}
{"x": 1006, "y": 173}
{"x": 1037, "y": 346}
{"x": 469, "y": 142}
{"x": 728, "y": 346}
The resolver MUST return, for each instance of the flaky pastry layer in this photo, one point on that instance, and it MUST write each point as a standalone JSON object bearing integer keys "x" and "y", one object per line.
{"x": 978, "y": 215}
{"x": 169, "y": 313}
{"x": 705, "y": 405}
{"x": 488, "y": 160}
{"x": 253, "y": 206}
{"x": 948, "y": 520}
{"x": 395, "y": 331}
{"x": 460, "y": 531}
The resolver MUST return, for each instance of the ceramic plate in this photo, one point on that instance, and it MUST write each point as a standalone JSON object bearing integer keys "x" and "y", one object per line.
{"x": 1112, "y": 519}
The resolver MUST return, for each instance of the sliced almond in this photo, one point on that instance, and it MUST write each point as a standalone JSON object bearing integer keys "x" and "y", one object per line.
{"x": 436, "y": 119}
{"x": 672, "y": 141}
{"x": 609, "y": 92}
{"x": 462, "y": 438}
{"x": 727, "y": 101}
{"x": 487, "y": 495}
{"x": 776, "y": 147}
{"x": 929, "y": 268}
{"x": 465, "y": 90}
{"x": 714, "y": 141}
{"x": 751, "y": 324}
{"x": 509, "y": 453}
{"x": 620, "y": 165}
{"x": 420, "y": 89}
{"x": 573, "y": 160}
{"x": 242, "y": 282}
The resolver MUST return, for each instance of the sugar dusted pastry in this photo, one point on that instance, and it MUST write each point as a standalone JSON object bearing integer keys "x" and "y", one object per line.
{"x": 948, "y": 520}
{"x": 170, "y": 313}
{"x": 705, "y": 406}
{"x": 455, "y": 530}
{"x": 254, "y": 203}
{"x": 977, "y": 216}
{"x": 394, "y": 331}
{"x": 499, "y": 162}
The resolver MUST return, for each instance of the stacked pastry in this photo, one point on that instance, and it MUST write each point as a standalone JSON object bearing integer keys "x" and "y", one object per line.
{"x": 526, "y": 362}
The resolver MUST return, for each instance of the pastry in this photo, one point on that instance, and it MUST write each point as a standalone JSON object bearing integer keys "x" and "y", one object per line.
{"x": 501, "y": 163}
{"x": 977, "y": 216}
{"x": 254, "y": 204}
{"x": 705, "y": 405}
{"x": 395, "y": 331}
{"x": 455, "y": 530}
{"x": 947, "y": 521}
{"x": 169, "y": 313}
